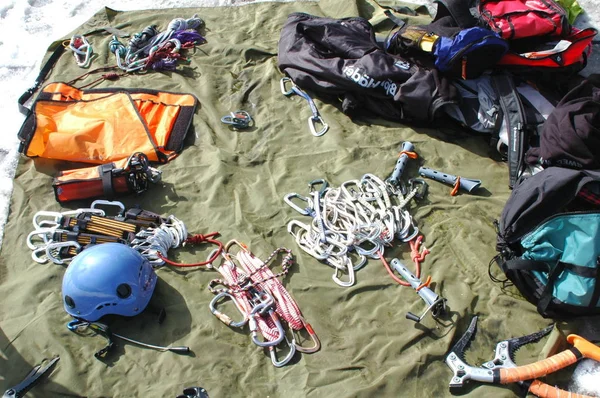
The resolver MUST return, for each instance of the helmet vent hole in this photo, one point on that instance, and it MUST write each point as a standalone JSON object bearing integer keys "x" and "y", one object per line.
{"x": 69, "y": 302}
{"x": 100, "y": 307}
{"x": 123, "y": 290}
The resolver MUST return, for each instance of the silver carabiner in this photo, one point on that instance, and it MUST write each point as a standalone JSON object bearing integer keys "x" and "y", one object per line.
{"x": 226, "y": 319}
{"x": 283, "y": 82}
{"x": 313, "y": 121}
{"x": 56, "y": 246}
{"x": 253, "y": 325}
{"x": 109, "y": 203}
{"x": 305, "y": 212}
{"x": 288, "y": 357}
{"x": 45, "y": 234}
{"x": 351, "y": 278}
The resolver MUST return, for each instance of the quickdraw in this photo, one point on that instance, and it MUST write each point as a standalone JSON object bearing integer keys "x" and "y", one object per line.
{"x": 261, "y": 299}
{"x": 58, "y": 237}
{"x": 313, "y": 120}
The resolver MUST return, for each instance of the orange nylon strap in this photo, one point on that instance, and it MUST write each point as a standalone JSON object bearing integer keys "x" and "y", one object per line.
{"x": 456, "y": 187}
{"x": 410, "y": 154}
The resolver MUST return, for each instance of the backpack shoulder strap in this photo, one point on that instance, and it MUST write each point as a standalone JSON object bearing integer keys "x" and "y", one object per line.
{"x": 515, "y": 119}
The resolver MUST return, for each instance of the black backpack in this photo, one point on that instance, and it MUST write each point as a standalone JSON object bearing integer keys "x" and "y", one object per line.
{"x": 548, "y": 241}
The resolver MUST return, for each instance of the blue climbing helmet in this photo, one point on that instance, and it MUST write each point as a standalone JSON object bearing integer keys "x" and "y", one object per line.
{"x": 109, "y": 278}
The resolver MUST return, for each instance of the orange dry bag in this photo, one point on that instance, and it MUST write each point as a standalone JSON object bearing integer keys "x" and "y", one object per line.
{"x": 105, "y": 125}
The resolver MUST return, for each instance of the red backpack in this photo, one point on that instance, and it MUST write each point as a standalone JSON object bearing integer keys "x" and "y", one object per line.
{"x": 517, "y": 19}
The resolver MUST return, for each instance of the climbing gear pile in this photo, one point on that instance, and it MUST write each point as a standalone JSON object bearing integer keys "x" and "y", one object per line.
{"x": 262, "y": 300}
{"x": 59, "y": 237}
{"x": 126, "y": 176}
{"x": 152, "y": 49}
{"x": 358, "y": 219}
{"x": 313, "y": 120}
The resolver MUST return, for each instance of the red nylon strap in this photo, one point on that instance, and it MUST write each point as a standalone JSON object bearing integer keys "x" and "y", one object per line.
{"x": 197, "y": 239}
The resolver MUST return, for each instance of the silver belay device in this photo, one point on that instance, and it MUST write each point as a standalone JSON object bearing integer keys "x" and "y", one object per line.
{"x": 435, "y": 303}
{"x": 468, "y": 184}
{"x": 394, "y": 179}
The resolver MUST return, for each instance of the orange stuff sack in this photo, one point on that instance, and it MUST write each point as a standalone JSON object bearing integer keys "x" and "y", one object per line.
{"x": 105, "y": 125}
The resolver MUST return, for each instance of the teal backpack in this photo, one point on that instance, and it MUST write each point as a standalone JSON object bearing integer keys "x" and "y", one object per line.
{"x": 548, "y": 241}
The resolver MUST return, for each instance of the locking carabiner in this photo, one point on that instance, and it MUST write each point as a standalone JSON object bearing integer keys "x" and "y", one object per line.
{"x": 226, "y": 319}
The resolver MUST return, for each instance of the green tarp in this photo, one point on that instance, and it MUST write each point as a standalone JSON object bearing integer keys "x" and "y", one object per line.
{"x": 233, "y": 182}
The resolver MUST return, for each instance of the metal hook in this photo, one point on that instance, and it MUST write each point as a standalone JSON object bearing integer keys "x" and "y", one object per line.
{"x": 316, "y": 342}
{"x": 283, "y": 82}
{"x": 224, "y": 317}
{"x": 56, "y": 246}
{"x": 313, "y": 121}
{"x": 308, "y": 211}
{"x": 109, "y": 203}
{"x": 288, "y": 357}
{"x": 351, "y": 279}
{"x": 252, "y": 323}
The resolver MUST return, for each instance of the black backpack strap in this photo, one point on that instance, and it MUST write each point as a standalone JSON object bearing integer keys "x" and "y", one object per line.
{"x": 545, "y": 301}
{"x": 595, "y": 299}
{"x": 105, "y": 171}
{"x": 514, "y": 117}
{"x": 58, "y": 50}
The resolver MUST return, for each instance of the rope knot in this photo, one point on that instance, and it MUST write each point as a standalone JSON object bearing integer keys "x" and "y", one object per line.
{"x": 200, "y": 238}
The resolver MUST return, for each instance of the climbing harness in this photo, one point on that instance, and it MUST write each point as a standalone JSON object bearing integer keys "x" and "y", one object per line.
{"x": 58, "y": 237}
{"x": 239, "y": 120}
{"x": 313, "y": 120}
{"x": 127, "y": 176}
{"x": 82, "y": 50}
{"x": 261, "y": 299}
